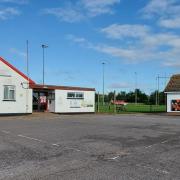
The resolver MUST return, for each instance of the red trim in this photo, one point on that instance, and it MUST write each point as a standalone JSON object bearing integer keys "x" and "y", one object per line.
{"x": 51, "y": 87}
{"x": 17, "y": 71}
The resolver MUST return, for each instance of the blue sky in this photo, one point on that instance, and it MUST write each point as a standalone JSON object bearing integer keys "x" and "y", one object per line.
{"x": 140, "y": 36}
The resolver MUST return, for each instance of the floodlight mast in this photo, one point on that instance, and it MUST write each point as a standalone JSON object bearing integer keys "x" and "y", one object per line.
{"x": 44, "y": 47}
{"x": 103, "y": 64}
{"x": 136, "y": 88}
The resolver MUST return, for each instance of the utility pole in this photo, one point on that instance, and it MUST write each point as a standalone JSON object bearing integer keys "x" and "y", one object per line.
{"x": 43, "y": 47}
{"x": 156, "y": 91}
{"x": 136, "y": 88}
{"x": 27, "y": 68}
{"x": 103, "y": 64}
{"x": 98, "y": 103}
{"x": 158, "y": 88}
{"x": 27, "y": 60}
{"x": 114, "y": 102}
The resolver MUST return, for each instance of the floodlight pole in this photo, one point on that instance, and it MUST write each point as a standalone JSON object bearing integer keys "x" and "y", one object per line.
{"x": 103, "y": 64}
{"x": 27, "y": 60}
{"x": 156, "y": 91}
{"x": 27, "y": 68}
{"x": 135, "y": 87}
{"x": 158, "y": 88}
{"x": 43, "y": 47}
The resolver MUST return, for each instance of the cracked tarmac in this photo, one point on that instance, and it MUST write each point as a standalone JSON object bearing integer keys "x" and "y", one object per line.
{"x": 50, "y": 146}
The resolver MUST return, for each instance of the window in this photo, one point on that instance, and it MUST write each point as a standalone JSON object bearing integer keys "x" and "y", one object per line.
{"x": 75, "y": 95}
{"x": 79, "y": 95}
{"x": 71, "y": 95}
{"x": 9, "y": 93}
{"x": 51, "y": 96}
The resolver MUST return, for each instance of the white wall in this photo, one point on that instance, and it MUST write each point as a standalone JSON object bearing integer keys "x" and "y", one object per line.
{"x": 170, "y": 97}
{"x": 23, "y": 102}
{"x": 64, "y": 105}
{"x": 51, "y": 105}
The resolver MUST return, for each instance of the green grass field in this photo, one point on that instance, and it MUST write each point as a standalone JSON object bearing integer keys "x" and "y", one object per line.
{"x": 131, "y": 108}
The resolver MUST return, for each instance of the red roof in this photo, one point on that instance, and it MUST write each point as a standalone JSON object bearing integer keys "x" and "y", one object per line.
{"x": 17, "y": 71}
{"x": 52, "y": 87}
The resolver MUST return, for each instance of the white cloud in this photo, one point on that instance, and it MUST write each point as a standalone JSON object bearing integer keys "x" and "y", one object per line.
{"x": 167, "y": 12}
{"x": 75, "y": 39}
{"x": 144, "y": 34}
{"x": 127, "y": 55}
{"x": 9, "y": 12}
{"x": 161, "y": 8}
{"x": 117, "y": 31}
{"x": 97, "y": 7}
{"x": 82, "y": 9}
{"x": 15, "y": 1}
{"x": 145, "y": 45}
{"x": 17, "y": 52}
{"x": 65, "y": 14}
{"x": 170, "y": 23}
{"x": 172, "y": 64}
{"x": 120, "y": 85}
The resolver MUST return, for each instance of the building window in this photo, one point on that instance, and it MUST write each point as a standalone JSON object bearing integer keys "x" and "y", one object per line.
{"x": 9, "y": 93}
{"x": 51, "y": 96}
{"x": 79, "y": 95}
{"x": 71, "y": 95}
{"x": 75, "y": 95}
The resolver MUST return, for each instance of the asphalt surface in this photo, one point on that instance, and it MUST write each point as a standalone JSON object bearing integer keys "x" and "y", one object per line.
{"x": 89, "y": 147}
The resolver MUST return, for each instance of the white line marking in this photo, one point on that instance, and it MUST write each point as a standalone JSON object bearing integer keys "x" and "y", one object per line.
{"x": 75, "y": 149}
{"x": 150, "y": 146}
{"x": 6, "y": 132}
{"x": 164, "y": 142}
{"x": 114, "y": 158}
{"x": 158, "y": 170}
{"x": 55, "y": 145}
{"x": 39, "y": 140}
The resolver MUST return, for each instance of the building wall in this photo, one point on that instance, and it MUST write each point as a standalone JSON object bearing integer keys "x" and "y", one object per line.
{"x": 170, "y": 97}
{"x": 51, "y": 105}
{"x": 23, "y": 101}
{"x": 65, "y": 105}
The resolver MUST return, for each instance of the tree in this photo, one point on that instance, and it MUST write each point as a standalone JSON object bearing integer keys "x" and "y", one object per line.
{"x": 153, "y": 96}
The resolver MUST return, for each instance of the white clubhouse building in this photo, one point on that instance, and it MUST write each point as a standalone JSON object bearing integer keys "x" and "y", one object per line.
{"x": 20, "y": 95}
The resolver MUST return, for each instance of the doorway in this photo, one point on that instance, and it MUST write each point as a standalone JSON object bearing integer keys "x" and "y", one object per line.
{"x": 40, "y": 101}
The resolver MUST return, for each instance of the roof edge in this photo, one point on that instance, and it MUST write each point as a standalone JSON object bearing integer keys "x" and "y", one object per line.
{"x": 54, "y": 87}
{"x": 16, "y": 70}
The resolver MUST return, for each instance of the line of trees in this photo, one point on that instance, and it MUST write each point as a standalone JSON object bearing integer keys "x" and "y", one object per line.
{"x": 130, "y": 97}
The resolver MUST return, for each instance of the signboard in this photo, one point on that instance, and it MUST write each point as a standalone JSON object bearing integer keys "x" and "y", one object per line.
{"x": 175, "y": 105}
{"x": 43, "y": 99}
{"x": 75, "y": 103}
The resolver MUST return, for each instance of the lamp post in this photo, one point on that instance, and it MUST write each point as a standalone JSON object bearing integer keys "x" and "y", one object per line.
{"x": 136, "y": 88}
{"x": 103, "y": 64}
{"x": 43, "y": 47}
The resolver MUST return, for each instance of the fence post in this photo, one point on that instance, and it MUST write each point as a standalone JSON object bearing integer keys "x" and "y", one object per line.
{"x": 115, "y": 102}
{"x": 98, "y": 103}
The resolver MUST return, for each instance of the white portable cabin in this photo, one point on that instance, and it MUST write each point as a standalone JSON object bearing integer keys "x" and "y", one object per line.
{"x": 15, "y": 96}
{"x": 65, "y": 99}
{"x": 172, "y": 92}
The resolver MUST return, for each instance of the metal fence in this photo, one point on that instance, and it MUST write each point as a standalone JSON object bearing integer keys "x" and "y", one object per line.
{"x": 131, "y": 107}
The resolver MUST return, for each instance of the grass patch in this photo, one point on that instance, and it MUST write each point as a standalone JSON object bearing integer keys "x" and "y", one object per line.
{"x": 139, "y": 108}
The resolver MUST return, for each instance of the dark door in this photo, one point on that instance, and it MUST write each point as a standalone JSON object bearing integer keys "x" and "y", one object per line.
{"x": 40, "y": 101}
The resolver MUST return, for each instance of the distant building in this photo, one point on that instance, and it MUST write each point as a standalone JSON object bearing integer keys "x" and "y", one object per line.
{"x": 19, "y": 95}
{"x": 172, "y": 91}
